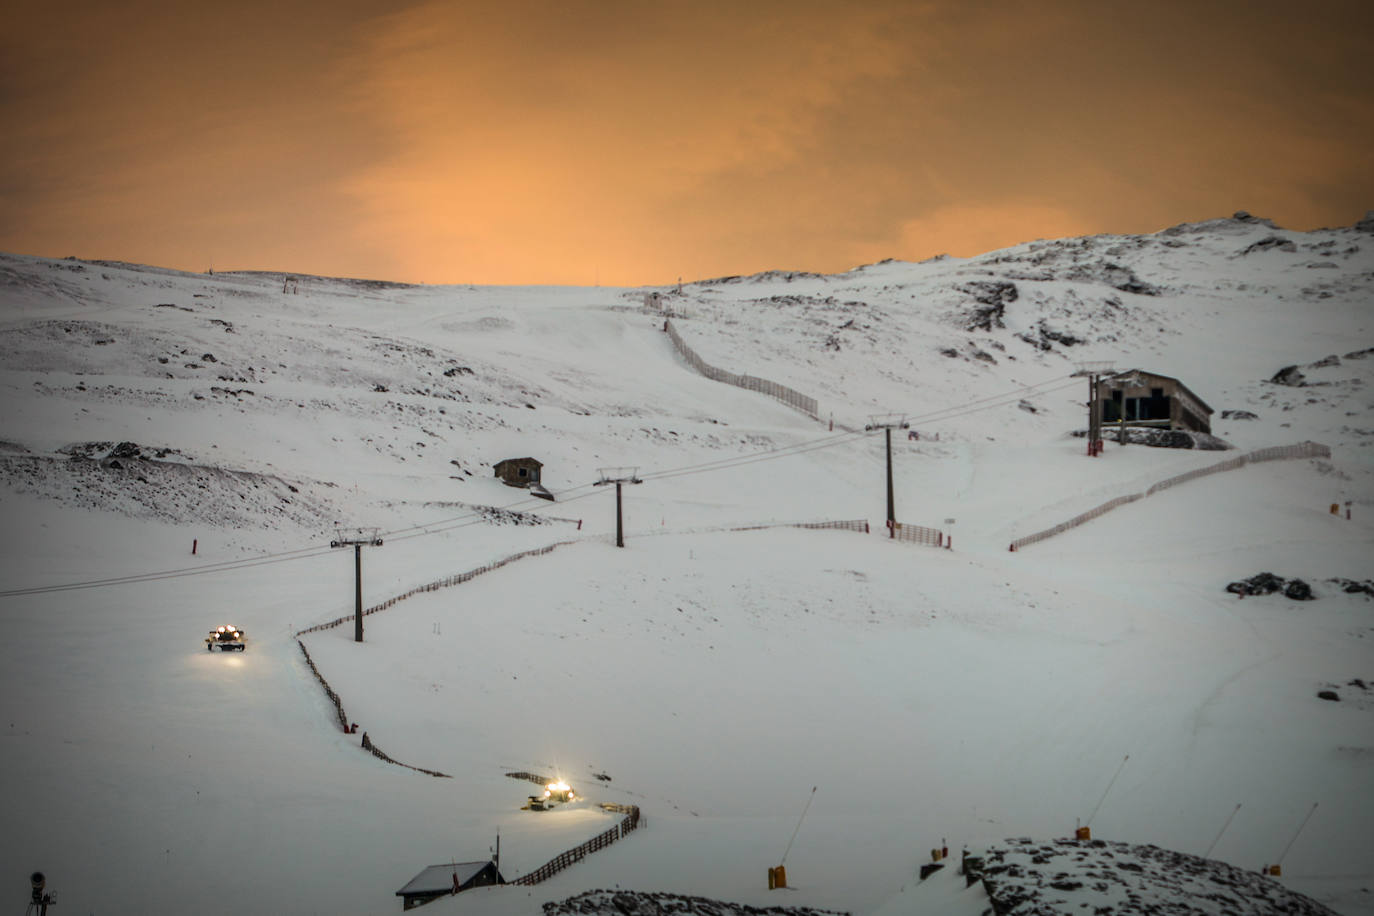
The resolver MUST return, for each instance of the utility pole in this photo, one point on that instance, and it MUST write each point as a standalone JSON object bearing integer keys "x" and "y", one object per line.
{"x": 363, "y": 538}
{"x": 1094, "y": 372}
{"x": 1125, "y": 382}
{"x": 618, "y": 476}
{"x": 887, "y": 422}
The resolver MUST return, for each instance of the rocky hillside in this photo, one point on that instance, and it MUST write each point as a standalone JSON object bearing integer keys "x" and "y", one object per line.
{"x": 441, "y": 382}
{"x": 640, "y": 903}
{"x": 1025, "y": 878}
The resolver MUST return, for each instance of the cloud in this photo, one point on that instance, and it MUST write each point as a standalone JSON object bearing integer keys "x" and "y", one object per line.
{"x": 573, "y": 141}
{"x": 627, "y": 142}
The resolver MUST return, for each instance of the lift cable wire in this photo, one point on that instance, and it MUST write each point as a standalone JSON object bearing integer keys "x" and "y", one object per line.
{"x": 229, "y": 566}
{"x": 476, "y": 516}
{"x": 815, "y": 445}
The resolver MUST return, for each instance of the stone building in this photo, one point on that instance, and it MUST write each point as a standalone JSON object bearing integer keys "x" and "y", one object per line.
{"x": 519, "y": 472}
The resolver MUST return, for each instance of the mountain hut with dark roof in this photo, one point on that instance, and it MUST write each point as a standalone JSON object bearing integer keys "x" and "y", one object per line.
{"x": 1152, "y": 400}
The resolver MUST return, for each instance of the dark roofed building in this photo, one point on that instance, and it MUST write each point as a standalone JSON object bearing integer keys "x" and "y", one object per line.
{"x": 1148, "y": 399}
{"x": 519, "y": 472}
{"x": 442, "y": 880}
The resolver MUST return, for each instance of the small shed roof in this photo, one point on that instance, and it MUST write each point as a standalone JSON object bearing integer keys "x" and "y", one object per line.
{"x": 439, "y": 878}
{"x": 534, "y": 461}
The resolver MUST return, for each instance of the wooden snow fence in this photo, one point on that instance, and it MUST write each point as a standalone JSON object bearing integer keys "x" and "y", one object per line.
{"x": 446, "y": 582}
{"x": 1301, "y": 450}
{"x": 918, "y": 534}
{"x": 563, "y": 860}
{"x": 911, "y": 534}
{"x": 860, "y": 525}
{"x": 788, "y": 396}
{"x": 434, "y": 586}
{"x": 328, "y": 691}
{"x": 377, "y": 752}
{"x": 367, "y": 744}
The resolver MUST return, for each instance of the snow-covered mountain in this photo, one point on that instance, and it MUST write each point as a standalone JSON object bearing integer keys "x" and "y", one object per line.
{"x": 713, "y": 675}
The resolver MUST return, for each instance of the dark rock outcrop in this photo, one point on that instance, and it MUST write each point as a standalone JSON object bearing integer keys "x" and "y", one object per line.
{"x": 644, "y": 903}
{"x": 1354, "y": 586}
{"x": 1270, "y": 243}
{"x": 1288, "y": 375}
{"x": 1266, "y": 583}
{"x": 125, "y": 450}
{"x": 1164, "y": 438}
{"x": 1298, "y": 590}
{"x": 992, "y": 297}
{"x": 1027, "y": 878}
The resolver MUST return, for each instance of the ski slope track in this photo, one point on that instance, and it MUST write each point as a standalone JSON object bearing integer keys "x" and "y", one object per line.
{"x": 177, "y": 451}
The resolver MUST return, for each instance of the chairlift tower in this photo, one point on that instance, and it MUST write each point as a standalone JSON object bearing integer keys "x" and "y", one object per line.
{"x": 1094, "y": 371}
{"x": 618, "y": 476}
{"x": 888, "y": 422}
{"x": 361, "y": 537}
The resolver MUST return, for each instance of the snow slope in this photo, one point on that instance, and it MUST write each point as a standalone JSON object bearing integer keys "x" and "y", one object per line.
{"x": 715, "y": 676}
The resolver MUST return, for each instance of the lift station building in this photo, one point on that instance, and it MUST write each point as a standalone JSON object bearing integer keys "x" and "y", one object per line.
{"x": 1149, "y": 399}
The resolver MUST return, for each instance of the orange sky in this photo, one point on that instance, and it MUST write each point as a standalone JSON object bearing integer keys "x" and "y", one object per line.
{"x": 627, "y": 143}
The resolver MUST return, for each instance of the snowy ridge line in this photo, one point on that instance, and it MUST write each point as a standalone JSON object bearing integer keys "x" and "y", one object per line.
{"x": 571, "y": 857}
{"x": 343, "y": 720}
{"x": 1273, "y": 453}
{"x": 788, "y": 396}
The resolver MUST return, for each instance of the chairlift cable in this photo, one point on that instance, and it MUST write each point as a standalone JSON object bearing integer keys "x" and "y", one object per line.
{"x": 473, "y": 517}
